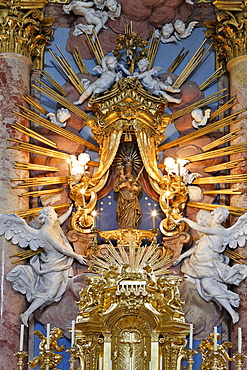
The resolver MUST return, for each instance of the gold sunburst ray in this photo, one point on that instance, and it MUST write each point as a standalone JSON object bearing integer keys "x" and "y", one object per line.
{"x": 78, "y": 59}
{"x": 233, "y": 149}
{"x": 200, "y": 103}
{"x": 205, "y": 130}
{"x": 236, "y": 211}
{"x": 178, "y": 60}
{"x": 223, "y": 139}
{"x": 225, "y": 166}
{"x": 54, "y": 83}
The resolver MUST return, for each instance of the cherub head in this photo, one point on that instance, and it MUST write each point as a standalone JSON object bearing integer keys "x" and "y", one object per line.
{"x": 179, "y": 26}
{"x": 63, "y": 114}
{"x": 167, "y": 30}
{"x": 111, "y": 62}
{"x": 220, "y": 214}
{"x": 112, "y": 5}
{"x": 47, "y": 214}
{"x": 143, "y": 64}
{"x": 197, "y": 115}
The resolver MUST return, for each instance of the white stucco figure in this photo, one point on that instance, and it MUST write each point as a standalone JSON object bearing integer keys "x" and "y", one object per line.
{"x": 200, "y": 118}
{"x": 43, "y": 280}
{"x": 79, "y": 166}
{"x": 104, "y": 82}
{"x": 166, "y": 33}
{"x": 95, "y": 18}
{"x": 181, "y": 32}
{"x": 60, "y": 117}
{"x": 114, "y": 9}
{"x": 152, "y": 83}
{"x": 207, "y": 267}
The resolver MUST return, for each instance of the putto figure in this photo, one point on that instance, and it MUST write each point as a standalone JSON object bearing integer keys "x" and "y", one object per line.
{"x": 104, "y": 82}
{"x": 44, "y": 279}
{"x": 207, "y": 267}
{"x": 154, "y": 84}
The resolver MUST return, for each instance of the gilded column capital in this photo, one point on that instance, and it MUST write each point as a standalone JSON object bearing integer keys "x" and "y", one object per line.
{"x": 228, "y": 31}
{"x": 24, "y": 29}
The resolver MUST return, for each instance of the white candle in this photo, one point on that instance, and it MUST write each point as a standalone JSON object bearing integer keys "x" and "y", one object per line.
{"x": 239, "y": 340}
{"x": 150, "y": 365}
{"x": 161, "y": 361}
{"x": 73, "y": 334}
{"x": 21, "y": 337}
{"x": 111, "y": 365}
{"x": 100, "y": 363}
{"x": 154, "y": 213}
{"x": 48, "y": 328}
{"x": 215, "y": 338}
{"x": 94, "y": 214}
{"x": 191, "y": 337}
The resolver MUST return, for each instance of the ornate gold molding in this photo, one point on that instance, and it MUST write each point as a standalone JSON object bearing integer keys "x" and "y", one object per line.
{"x": 24, "y": 29}
{"x": 228, "y": 31}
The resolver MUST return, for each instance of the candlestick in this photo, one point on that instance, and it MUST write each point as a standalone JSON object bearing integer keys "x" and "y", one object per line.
{"x": 48, "y": 328}
{"x": 21, "y": 337}
{"x": 215, "y": 338}
{"x": 73, "y": 334}
{"x": 83, "y": 197}
{"x": 178, "y": 166}
{"x": 239, "y": 340}
{"x": 191, "y": 337}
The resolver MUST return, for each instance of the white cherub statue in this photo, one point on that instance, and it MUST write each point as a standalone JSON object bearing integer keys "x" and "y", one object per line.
{"x": 200, "y": 119}
{"x": 181, "y": 32}
{"x": 207, "y": 267}
{"x": 166, "y": 33}
{"x": 154, "y": 84}
{"x": 43, "y": 280}
{"x": 104, "y": 82}
{"x": 95, "y": 18}
{"x": 60, "y": 118}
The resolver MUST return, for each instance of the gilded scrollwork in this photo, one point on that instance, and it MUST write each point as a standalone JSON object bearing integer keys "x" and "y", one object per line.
{"x": 228, "y": 31}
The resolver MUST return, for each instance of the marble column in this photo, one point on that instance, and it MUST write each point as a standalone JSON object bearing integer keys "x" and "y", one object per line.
{"x": 237, "y": 68}
{"x": 14, "y": 80}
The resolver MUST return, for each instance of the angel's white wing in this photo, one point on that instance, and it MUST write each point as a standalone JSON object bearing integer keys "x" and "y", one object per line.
{"x": 236, "y": 235}
{"x": 15, "y": 229}
{"x": 188, "y": 30}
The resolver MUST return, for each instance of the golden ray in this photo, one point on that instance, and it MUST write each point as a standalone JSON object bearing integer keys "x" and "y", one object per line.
{"x": 32, "y": 116}
{"x": 35, "y": 211}
{"x": 229, "y": 179}
{"x": 41, "y": 192}
{"x": 53, "y": 82}
{"x": 200, "y": 103}
{"x": 191, "y": 65}
{"x": 222, "y": 140}
{"x": 32, "y": 166}
{"x": 68, "y": 70}
{"x": 26, "y": 147}
{"x": 30, "y": 100}
{"x": 27, "y": 131}
{"x": 224, "y": 191}
{"x": 214, "y": 76}
{"x": 225, "y": 166}
{"x": 40, "y": 181}
{"x": 204, "y": 130}
{"x": 78, "y": 59}
{"x": 153, "y": 48}
{"x": 61, "y": 100}
{"x": 228, "y": 105}
{"x": 179, "y": 58}
{"x": 236, "y": 211}
{"x": 229, "y": 150}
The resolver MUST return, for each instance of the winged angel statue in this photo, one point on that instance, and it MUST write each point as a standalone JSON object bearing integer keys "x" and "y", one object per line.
{"x": 207, "y": 267}
{"x": 44, "y": 279}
